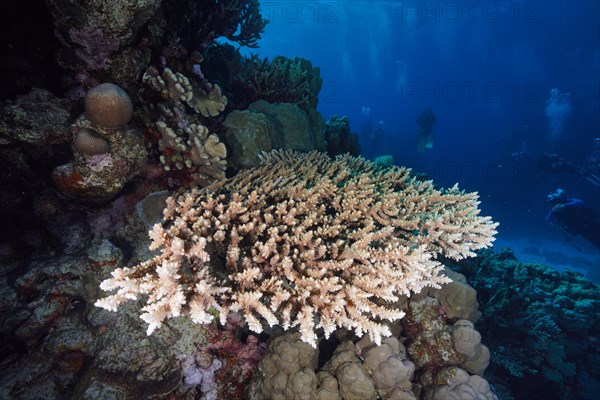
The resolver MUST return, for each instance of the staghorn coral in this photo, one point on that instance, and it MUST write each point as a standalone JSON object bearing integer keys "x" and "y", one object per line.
{"x": 306, "y": 242}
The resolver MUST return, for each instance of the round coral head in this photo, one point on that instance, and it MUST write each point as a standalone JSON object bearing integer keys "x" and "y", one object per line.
{"x": 108, "y": 105}
{"x": 90, "y": 143}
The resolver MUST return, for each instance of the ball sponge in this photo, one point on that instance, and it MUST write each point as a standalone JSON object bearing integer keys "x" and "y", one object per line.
{"x": 108, "y": 105}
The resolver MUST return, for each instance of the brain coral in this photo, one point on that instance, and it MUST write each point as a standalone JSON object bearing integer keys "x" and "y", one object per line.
{"x": 90, "y": 143}
{"x": 302, "y": 241}
{"x": 108, "y": 105}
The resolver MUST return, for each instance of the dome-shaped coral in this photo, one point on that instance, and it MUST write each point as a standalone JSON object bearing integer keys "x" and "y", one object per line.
{"x": 108, "y": 105}
{"x": 89, "y": 143}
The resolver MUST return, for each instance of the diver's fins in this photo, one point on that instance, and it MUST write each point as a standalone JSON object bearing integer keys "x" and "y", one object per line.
{"x": 429, "y": 144}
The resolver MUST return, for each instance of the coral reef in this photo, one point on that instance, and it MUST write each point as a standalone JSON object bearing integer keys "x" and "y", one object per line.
{"x": 458, "y": 298}
{"x": 107, "y": 151}
{"x": 302, "y": 236}
{"x": 248, "y": 134}
{"x": 287, "y": 371}
{"x": 108, "y": 105}
{"x": 392, "y": 372}
{"x": 300, "y": 241}
{"x": 248, "y": 79}
{"x": 361, "y": 369}
{"x": 55, "y": 345}
{"x": 74, "y": 350}
{"x": 264, "y": 127}
{"x": 184, "y": 142}
{"x": 540, "y": 325}
{"x": 38, "y": 117}
{"x": 101, "y": 43}
{"x": 339, "y": 138}
{"x": 200, "y": 23}
{"x": 455, "y": 384}
{"x": 117, "y": 43}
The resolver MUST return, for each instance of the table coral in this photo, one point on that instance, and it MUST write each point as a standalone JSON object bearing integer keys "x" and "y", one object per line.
{"x": 302, "y": 236}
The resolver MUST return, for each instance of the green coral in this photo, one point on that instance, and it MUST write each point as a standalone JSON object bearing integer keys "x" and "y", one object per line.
{"x": 199, "y": 23}
{"x": 248, "y": 79}
{"x": 339, "y": 138}
{"x": 539, "y": 323}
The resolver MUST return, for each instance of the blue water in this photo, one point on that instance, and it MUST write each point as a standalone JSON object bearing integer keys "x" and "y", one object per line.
{"x": 486, "y": 69}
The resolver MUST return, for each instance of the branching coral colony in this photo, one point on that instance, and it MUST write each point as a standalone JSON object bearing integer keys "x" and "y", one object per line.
{"x": 302, "y": 241}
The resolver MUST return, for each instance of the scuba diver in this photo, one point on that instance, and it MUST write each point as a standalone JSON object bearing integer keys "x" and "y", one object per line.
{"x": 521, "y": 154}
{"x": 425, "y": 121}
{"x": 556, "y": 164}
{"x": 373, "y": 135}
{"x": 378, "y": 133}
{"x": 573, "y": 217}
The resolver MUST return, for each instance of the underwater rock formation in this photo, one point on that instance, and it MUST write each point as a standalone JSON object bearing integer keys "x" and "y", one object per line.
{"x": 339, "y": 138}
{"x": 264, "y": 127}
{"x": 38, "y": 117}
{"x": 107, "y": 151}
{"x": 102, "y": 41}
{"x": 541, "y": 326}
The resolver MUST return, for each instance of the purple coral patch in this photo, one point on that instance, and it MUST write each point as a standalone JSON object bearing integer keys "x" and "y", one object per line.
{"x": 96, "y": 46}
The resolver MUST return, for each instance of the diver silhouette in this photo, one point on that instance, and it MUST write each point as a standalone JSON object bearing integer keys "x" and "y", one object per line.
{"x": 573, "y": 217}
{"x": 425, "y": 121}
{"x": 373, "y": 136}
{"x": 554, "y": 163}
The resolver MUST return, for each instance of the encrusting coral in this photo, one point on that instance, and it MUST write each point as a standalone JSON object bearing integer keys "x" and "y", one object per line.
{"x": 302, "y": 241}
{"x": 108, "y": 151}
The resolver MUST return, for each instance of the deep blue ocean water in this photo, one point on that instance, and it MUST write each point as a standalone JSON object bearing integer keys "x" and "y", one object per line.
{"x": 488, "y": 71}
